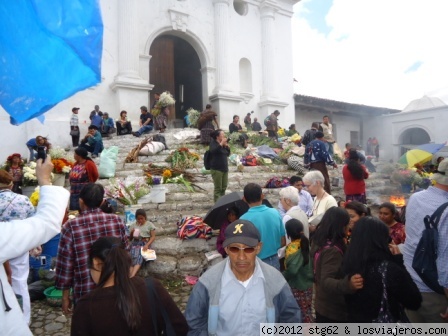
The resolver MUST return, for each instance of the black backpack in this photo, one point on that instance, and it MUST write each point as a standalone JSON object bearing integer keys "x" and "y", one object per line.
{"x": 207, "y": 159}
{"x": 424, "y": 262}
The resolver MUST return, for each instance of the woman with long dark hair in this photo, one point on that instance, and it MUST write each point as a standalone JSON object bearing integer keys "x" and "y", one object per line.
{"x": 388, "y": 215}
{"x": 356, "y": 211}
{"x": 298, "y": 268}
{"x": 121, "y": 305}
{"x": 370, "y": 255}
{"x": 327, "y": 251}
{"x": 354, "y": 174}
{"x": 219, "y": 166}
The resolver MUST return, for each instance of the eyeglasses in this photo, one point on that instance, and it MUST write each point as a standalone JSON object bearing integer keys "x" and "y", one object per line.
{"x": 306, "y": 185}
{"x": 247, "y": 250}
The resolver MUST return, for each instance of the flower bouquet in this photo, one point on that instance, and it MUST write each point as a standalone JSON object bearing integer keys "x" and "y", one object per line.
{"x": 127, "y": 191}
{"x": 169, "y": 175}
{"x": 29, "y": 175}
{"x": 182, "y": 159}
{"x": 61, "y": 166}
{"x": 165, "y": 100}
{"x": 193, "y": 116}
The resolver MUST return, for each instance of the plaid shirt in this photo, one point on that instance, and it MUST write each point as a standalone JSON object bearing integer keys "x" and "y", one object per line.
{"x": 77, "y": 236}
{"x": 74, "y": 120}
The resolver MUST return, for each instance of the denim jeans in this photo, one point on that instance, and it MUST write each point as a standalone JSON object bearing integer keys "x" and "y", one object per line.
{"x": 144, "y": 129}
{"x": 329, "y": 148}
{"x": 96, "y": 149}
{"x": 33, "y": 153}
{"x": 273, "y": 261}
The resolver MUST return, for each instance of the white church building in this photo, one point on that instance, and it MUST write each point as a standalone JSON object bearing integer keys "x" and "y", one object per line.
{"x": 234, "y": 54}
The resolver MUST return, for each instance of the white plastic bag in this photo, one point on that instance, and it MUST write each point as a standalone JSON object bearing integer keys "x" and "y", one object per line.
{"x": 108, "y": 162}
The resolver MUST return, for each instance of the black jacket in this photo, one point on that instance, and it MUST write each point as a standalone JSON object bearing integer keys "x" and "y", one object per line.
{"x": 364, "y": 305}
{"x": 219, "y": 154}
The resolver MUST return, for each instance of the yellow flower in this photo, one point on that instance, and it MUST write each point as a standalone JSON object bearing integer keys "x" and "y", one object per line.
{"x": 34, "y": 198}
{"x": 167, "y": 173}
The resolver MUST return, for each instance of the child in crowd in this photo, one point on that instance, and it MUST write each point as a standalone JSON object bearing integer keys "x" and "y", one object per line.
{"x": 143, "y": 234}
{"x": 298, "y": 269}
{"x": 233, "y": 214}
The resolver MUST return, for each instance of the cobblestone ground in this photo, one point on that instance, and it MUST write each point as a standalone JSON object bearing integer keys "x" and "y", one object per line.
{"x": 50, "y": 321}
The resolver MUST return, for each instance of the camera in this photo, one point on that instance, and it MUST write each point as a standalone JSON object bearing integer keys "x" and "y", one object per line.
{"x": 41, "y": 153}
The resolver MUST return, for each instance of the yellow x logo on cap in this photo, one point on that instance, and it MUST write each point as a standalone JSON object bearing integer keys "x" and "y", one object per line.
{"x": 238, "y": 228}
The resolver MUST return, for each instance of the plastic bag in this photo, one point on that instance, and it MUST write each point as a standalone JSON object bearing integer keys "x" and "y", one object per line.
{"x": 108, "y": 162}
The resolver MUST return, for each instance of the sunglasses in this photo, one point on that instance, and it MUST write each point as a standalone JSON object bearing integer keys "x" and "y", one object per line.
{"x": 235, "y": 250}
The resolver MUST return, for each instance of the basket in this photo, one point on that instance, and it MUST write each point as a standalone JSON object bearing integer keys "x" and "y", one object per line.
{"x": 54, "y": 296}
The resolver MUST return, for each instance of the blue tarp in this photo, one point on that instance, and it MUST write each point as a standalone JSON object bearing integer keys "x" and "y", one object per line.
{"x": 49, "y": 50}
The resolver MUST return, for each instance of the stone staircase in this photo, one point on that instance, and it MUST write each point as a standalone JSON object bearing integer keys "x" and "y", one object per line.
{"x": 179, "y": 258}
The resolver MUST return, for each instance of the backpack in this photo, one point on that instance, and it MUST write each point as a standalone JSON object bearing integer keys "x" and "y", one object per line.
{"x": 190, "y": 227}
{"x": 160, "y": 138}
{"x": 267, "y": 121}
{"x": 424, "y": 262}
{"x": 207, "y": 160}
{"x": 277, "y": 182}
{"x": 249, "y": 160}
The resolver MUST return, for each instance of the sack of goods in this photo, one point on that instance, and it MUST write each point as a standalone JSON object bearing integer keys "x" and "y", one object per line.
{"x": 151, "y": 148}
{"x": 190, "y": 227}
{"x": 296, "y": 163}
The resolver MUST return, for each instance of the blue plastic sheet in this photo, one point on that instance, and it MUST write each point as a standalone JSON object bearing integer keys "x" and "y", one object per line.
{"x": 49, "y": 50}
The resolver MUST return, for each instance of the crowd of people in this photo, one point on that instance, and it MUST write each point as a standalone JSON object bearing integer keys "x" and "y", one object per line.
{"x": 275, "y": 261}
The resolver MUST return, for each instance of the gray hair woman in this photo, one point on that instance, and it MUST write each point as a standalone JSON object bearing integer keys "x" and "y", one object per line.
{"x": 289, "y": 199}
{"x": 314, "y": 182}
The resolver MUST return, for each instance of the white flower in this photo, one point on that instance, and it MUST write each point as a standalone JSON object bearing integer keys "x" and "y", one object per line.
{"x": 66, "y": 169}
{"x": 33, "y": 165}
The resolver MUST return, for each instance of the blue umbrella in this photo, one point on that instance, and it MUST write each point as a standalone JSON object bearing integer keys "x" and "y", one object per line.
{"x": 431, "y": 148}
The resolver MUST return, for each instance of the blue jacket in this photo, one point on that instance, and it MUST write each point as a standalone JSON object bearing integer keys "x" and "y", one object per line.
{"x": 202, "y": 311}
{"x": 316, "y": 152}
{"x": 97, "y": 121}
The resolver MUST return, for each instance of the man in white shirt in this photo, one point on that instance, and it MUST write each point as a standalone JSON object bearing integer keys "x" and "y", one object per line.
{"x": 305, "y": 198}
{"x": 20, "y": 236}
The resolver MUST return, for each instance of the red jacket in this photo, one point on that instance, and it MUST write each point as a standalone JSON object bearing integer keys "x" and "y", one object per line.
{"x": 352, "y": 186}
{"x": 92, "y": 171}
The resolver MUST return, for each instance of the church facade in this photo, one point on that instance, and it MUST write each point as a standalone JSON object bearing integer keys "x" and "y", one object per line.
{"x": 233, "y": 54}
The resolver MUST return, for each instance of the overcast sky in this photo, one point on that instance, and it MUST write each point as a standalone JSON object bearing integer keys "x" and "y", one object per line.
{"x": 382, "y": 53}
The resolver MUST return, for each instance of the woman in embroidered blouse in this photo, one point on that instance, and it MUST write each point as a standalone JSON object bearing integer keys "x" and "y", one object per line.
{"x": 327, "y": 250}
{"x": 314, "y": 183}
{"x": 370, "y": 255}
{"x": 388, "y": 214}
{"x": 298, "y": 268}
{"x": 84, "y": 172}
{"x": 14, "y": 166}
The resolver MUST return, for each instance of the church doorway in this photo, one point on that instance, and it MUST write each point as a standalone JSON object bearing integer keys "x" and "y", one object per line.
{"x": 412, "y": 138}
{"x": 175, "y": 67}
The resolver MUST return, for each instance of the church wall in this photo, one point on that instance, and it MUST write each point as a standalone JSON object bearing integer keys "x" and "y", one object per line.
{"x": 343, "y": 125}
{"x": 389, "y": 128}
{"x": 245, "y": 38}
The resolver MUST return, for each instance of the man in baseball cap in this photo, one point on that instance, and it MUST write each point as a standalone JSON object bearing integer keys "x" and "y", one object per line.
{"x": 237, "y": 294}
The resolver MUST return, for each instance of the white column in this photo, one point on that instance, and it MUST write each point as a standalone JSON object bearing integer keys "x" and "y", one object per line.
{"x": 268, "y": 51}
{"x": 221, "y": 19}
{"x": 128, "y": 53}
